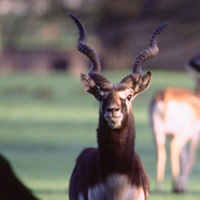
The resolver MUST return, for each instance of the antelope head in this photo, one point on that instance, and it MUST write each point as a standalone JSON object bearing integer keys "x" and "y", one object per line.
{"x": 115, "y": 100}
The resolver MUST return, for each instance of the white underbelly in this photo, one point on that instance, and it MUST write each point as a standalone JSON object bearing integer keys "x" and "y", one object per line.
{"x": 174, "y": 118}
{"x": 179, "y": 118}
{"x": 116, "y": 187}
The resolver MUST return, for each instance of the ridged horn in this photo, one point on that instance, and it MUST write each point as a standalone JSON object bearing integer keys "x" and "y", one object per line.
{"x": 95, "y": 70}
{"x": 151, "y": 52}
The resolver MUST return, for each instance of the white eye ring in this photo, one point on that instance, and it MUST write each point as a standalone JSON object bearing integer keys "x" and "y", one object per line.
{"x": 129, "y": 97}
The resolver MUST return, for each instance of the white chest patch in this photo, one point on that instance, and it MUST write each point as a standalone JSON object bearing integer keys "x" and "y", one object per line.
{"x": 115, "y": 187}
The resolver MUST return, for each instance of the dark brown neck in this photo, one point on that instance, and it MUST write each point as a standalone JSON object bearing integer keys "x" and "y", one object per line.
{"x": 116, "y": 147}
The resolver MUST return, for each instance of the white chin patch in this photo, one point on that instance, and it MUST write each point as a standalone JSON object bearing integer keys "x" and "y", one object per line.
{"x": 114, "y": 123}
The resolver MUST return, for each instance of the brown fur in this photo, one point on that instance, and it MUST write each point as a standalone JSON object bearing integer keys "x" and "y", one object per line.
{"x": 115, "y": 153}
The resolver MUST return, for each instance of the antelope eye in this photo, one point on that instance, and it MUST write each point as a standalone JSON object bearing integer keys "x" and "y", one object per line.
{"x": 129, "y": 97}
{"x": 99, "y": 96}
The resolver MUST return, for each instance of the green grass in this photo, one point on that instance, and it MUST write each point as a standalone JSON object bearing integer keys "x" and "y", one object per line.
{"x": 45, "y": 121}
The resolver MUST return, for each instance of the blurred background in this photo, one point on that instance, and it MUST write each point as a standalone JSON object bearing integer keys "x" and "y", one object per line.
{"x": 38, "y": 35}
{"x": 46, "y": 118}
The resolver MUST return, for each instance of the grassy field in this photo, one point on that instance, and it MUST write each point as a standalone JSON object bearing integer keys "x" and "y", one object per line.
{"x": 45, "y": 121}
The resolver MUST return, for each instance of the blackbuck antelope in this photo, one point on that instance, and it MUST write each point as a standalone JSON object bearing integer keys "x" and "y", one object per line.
{"x": 113, "y": 171}
{"x": 175, "y": 113}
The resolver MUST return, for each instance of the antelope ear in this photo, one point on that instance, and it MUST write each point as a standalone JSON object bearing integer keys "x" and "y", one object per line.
{"x": 88, "y": 84}
{"x": 143, "y": 83}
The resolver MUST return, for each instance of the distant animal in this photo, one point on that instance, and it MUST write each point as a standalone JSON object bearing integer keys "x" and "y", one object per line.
{"x": 112, "y": 171}
{"x": 11, "y": 188}
{"x": 175, "y": 114}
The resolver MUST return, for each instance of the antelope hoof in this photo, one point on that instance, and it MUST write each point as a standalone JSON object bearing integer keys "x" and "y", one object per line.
{"x": 179, "y": 189}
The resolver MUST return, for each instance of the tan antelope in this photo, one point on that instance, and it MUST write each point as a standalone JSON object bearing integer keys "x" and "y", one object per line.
{"x": 175, "y": 114}
{"x": 112, "y": 171}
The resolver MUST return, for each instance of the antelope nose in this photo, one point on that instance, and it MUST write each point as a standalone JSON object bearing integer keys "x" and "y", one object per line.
{"x": 112, "y": 110}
